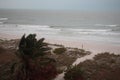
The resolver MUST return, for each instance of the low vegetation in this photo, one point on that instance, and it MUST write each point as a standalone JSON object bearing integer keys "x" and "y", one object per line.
{"x": 59, "y": 50}
{"x": 65, "y": 56}
{"x": 74, "y": 73}
{"x": 104, "y": 66}
{"x": 32, "y": 64}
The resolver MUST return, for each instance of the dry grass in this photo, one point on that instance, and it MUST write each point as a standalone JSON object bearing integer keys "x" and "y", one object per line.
{"x": 6, "y": 55}
{"x": 104, "y": 66}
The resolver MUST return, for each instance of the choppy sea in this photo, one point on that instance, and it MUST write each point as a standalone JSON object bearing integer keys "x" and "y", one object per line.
{"x": 92, "y": 26}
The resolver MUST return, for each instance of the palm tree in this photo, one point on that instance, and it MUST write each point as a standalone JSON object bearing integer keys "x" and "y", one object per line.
{"x": 32, "y": 62}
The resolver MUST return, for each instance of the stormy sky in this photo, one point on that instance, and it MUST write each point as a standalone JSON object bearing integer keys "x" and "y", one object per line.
{"x": 80, "y": 5}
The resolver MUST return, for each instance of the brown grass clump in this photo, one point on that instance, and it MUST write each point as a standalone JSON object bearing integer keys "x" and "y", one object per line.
{"x": 59, "y": 50}
{"x": 6, "y": 55}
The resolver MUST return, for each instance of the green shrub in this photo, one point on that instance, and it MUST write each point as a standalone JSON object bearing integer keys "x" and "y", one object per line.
{"x": 59, "y": 50}
{"x": 74, "y": 73}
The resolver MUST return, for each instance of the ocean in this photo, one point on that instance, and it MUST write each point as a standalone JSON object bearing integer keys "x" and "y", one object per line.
{"x": 68, "y": 25}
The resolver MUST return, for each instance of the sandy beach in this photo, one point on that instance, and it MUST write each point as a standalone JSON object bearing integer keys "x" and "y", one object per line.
{"x": 94, "y": 47}
{"x": 88, "y": 45}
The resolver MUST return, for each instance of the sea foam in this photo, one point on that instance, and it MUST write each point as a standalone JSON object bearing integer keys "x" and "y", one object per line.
{"x": 2, "y": 19}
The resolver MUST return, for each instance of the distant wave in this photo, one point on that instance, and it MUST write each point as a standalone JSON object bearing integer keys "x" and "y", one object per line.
{"x": 89, "y": 30}
{"x": 99, "y": 33}
{"x": 93, "y": 31}
{"x": 34, "y": 26}
{"x": 39, "y": 27}
{"x": 111, "y": 25}
{"x": 1, "y": 22}
{"x": 106, "y": 25}
{"x": 3, "y": 19}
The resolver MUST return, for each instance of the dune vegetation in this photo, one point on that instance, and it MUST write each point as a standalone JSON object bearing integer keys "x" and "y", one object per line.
{"x": 31, "y": 59}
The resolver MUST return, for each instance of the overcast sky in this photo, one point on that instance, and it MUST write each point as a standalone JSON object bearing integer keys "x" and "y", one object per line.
{"x": 91, "y": 5}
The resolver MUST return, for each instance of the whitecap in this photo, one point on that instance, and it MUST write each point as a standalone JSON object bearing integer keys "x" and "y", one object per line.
{"x": 112, "y": 25}
{"x": 1, "y": 22}
{"x": 3, "y": 19}
{"x": 89, "y": 30}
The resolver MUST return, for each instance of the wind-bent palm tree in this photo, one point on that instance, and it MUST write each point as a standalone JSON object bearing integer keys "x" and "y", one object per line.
{"x": 32, "y": 63}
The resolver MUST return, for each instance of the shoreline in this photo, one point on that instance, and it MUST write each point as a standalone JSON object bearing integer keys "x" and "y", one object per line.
{"x": 94, "y": 47}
